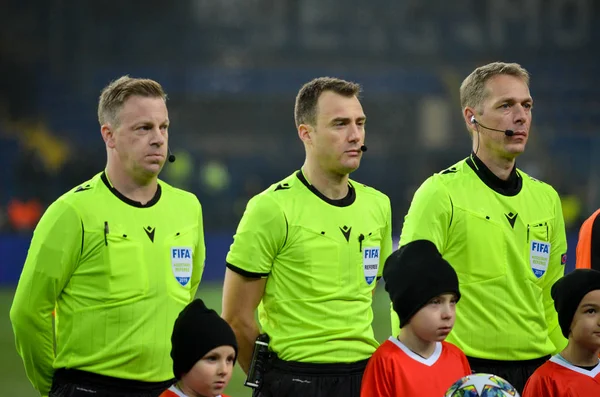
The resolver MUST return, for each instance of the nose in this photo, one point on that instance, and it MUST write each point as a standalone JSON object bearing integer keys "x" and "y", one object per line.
{"x": 224, "y": 368}
{"x": 159, "y": 137}
{"x": 447, "y": 312}
{"x": 355, "y": 133}
{"x": 520, "y": 114}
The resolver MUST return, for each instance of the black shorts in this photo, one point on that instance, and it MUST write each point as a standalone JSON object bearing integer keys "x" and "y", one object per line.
{"x": 293, "y": 379}
{"x": 515, "y": 372}
{"x": 75, "y": 383}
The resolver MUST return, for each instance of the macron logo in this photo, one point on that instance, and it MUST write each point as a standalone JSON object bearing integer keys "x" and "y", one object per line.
{"x": 346, "y": 232}
{"x": 511, "y": 218}
{"x": 150, "y": 232}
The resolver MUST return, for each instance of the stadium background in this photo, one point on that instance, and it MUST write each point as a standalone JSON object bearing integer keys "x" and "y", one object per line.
{"x": 232, "y": 69}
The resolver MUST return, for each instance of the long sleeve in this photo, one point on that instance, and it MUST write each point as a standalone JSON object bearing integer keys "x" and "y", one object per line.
{"x": 199, "y": 256}
{"x": 595, "y": 246}
{"x": 386, "y": 240}
{"x": 53, "y": 255}
{"x": 556, "y": 270}
{"x": 429, "y": 218}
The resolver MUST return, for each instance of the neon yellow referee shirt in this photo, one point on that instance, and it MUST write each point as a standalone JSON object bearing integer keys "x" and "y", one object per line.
{"x": 507, "y": 242}
{"x": 322, "y": 259}
{"x": 118, "y": 273}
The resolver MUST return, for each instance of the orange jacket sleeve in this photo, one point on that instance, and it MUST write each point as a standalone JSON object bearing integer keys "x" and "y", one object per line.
{"x": 588, "y": 246}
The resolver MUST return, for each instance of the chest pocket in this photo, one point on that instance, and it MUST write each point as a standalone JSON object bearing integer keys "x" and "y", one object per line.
{"x": 369, "y": 259}
{"x": 180, "y": 250}
{"x": 127, "y": 272}
{"x": 484, "y": 249}
{"x": 538, "y": 248}
{"x": 321, "y": 264}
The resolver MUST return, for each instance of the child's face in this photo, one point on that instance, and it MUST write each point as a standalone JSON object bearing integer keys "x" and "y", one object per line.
{"x": 585, "y": 328}
{"x": 434, "y": 321}
{"x": 211, "y": 374}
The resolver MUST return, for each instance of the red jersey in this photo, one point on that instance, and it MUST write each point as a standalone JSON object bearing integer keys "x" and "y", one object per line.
{"x": 558, "y": 378}
{"x": 394, "y": 370}
{"x": 175, "y": 392}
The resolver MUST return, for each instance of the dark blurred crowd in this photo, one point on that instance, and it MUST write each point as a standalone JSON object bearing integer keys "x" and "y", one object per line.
{"x": 231, "y": 100}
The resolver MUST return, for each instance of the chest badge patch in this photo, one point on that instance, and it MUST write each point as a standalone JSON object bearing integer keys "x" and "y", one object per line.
{"x": 370, "y": 263}
{"x": 181, "y": 263}
{"x": 539, "y": 257}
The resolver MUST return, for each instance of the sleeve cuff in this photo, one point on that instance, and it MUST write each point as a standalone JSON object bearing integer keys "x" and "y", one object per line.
{"x": 245, "y": 273}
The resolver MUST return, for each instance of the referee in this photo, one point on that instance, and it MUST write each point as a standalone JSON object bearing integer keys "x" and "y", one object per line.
{"x": 117, "y": 258}
{"x": 502, "y": 230}
{"x": 309, "y": 250}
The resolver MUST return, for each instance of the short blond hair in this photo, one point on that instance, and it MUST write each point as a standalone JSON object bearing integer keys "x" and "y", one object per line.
{"x": 115, "y": 94}
{"x": 472, "y": 89}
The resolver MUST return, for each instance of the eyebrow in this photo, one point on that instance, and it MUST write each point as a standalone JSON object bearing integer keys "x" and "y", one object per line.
{"x": 586, "y": 305}
{"x": 149, "y": 122}
{"x": 513, "y": 100}
{"x": 347, "y": 120}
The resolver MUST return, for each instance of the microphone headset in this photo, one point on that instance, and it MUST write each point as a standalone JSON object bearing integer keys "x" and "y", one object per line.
{"x": 171, "y": 157}
{"x": 363, "y": 148}
{"x": 506, "y": 132}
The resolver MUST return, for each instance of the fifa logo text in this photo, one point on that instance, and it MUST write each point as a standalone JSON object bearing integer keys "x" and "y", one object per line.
{"x": 372, "y": 253}
{"x": 180, "y": 253}
{"x": 540, "y": 247}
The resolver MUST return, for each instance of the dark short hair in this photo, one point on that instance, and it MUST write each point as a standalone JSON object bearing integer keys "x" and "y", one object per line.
{"x": 305, "y": 109}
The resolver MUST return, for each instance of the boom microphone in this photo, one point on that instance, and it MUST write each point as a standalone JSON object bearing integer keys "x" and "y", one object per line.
{"x": 506, "y": 132}
{"x": 171, "y": 157}
{"x": 363, "y": 148}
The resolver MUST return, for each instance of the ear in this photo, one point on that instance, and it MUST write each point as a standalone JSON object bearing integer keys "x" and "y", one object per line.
{"x": 305, "y": 133}
{"x": 468, "y": 116}
{"x": 108, "y": 135}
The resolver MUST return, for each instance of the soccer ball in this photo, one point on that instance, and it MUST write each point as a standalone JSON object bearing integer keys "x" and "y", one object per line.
{"x": 481, "y": 385}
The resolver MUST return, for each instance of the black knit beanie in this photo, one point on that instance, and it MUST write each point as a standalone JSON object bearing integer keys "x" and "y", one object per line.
{"x": 414, "y": 275}
{"x": 568, "y": 292}
{"x": 197, "y": 331}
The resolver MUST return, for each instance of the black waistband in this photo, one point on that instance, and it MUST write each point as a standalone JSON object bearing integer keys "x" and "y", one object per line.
{"x": 317, "y": 369}
{"x": 482, "y": 362}
{"x": 74, "y": 376}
